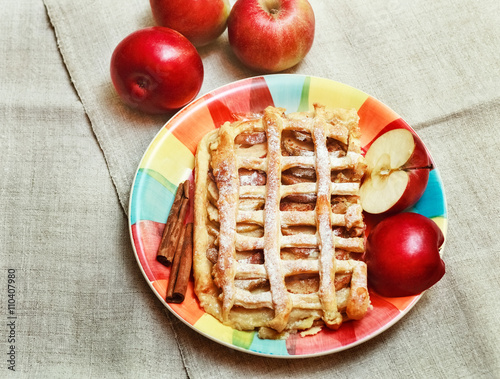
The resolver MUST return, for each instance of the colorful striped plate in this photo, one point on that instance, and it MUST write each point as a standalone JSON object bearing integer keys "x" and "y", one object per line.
{"x": 169, "y": 160}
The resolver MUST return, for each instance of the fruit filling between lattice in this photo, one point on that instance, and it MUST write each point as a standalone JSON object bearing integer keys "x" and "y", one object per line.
{"x": 256, "y": 198}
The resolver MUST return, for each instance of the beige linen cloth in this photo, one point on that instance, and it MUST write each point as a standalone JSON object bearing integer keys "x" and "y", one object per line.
{"x": 69, "y": 146}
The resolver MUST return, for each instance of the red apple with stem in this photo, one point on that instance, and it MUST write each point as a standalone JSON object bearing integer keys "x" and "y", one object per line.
{"x": 271, "y": 35}
{"x": 156, "y": 70}
{"x": 402, "y": 255}
{"x": 397, "y": 172}
{"x": 200, "y": 21}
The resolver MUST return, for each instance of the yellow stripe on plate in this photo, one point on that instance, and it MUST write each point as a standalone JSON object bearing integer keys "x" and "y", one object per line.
{"x": 334, "y": 94}
{"x": 214, "y": 328}
{"x": 442, "y": 223}
{"x": 169, "y": 157}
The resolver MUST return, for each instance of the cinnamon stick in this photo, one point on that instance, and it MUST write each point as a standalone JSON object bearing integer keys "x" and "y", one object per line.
{"x": 185, "y": 266}
{"x": 175, "y": 232}
{"x": 183, "y": 262}
{"x": 171, "y": 220}
{"x": 187, "y": 189}
{"x": 175, "y": 267}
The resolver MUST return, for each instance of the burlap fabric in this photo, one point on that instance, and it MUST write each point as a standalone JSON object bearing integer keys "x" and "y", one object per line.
{"x": 70, "y": 150}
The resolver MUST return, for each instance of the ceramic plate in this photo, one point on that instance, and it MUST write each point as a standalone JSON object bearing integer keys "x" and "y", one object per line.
{"x": 169, "y": 160}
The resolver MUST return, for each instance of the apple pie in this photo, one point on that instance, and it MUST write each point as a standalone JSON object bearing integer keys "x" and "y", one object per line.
{"x": 279, "y": 231}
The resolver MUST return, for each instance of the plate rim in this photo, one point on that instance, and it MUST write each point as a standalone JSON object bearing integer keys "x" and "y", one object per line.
{"x": 358, "y": 342}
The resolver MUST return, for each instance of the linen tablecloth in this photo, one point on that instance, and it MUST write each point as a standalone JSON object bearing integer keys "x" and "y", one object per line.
{"x": 70, "y": 149}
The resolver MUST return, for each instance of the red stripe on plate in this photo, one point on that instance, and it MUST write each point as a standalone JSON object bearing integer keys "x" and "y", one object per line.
{"x": 239, "y": 100}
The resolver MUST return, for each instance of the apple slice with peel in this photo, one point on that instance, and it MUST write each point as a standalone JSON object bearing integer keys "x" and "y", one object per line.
{"x": 397, "y": 172}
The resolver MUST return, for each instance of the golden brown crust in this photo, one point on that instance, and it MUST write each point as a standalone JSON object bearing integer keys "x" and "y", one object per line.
{"x": 275, "y": 251}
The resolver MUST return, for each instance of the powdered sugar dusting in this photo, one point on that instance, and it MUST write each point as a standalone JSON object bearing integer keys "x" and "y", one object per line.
{"x": 272, "y": 260}
{"x": 226, "y": 173}
{"x": 327, "y": 257}
{"x": 283, "y": 234}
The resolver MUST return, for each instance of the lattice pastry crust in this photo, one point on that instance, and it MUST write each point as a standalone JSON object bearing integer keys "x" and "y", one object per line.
{"x": 279, "y": 231}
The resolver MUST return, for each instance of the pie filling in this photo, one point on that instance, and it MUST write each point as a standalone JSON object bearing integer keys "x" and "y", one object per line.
{"x": 279, "y": 232}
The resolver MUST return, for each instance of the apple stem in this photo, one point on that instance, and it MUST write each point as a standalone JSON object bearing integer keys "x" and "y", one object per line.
{"x": 272, "y": 7}
{"x": 142, "y": 82}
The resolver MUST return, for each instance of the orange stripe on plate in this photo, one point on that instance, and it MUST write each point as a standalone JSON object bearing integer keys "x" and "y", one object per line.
{"x": 190, "y": 126}
{"x": 400, "y": 302}
{"x": 373, "y": 117}
{"x": 189, "y": 310}
{"x": 161, "y": 287}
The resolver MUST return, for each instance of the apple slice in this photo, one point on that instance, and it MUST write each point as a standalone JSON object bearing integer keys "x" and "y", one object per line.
{"x": 397, "y": 172}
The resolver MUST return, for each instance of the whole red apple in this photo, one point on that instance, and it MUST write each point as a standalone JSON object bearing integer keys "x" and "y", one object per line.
{"x": 271, "y": 35}
{"x": 156, "y": 70}
{"x": 397, "y": 172}
{"x": 200, "y": 21}
{"x": 402, "y": 255}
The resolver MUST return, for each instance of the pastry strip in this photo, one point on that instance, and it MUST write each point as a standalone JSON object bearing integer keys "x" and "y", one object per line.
{"x": 226, "y": 174}
{"x": 282, "y": 305}
{"x": 326, "y": 293}
{"x": 355, "y": 245}
{"x": 269, "y": 286}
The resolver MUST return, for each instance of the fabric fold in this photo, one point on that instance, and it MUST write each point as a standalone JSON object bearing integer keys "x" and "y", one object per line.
{"x": 381, "y": 51}
{"x": 87, "y": 33}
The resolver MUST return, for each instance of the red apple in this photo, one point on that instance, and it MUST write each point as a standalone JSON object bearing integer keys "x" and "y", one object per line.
{"x": 402, "y": 255}
{"x": 271, "y": 35}
{"x": 200, "y": 21}
{"x": 156, "y": 70}
{"x": 397, "y": 172}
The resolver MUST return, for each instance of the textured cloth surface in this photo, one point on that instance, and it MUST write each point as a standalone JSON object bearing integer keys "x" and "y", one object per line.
{"x": 417, "y": 58}
{"x": 82, "y": 306}
{"x": 69, "y": 147}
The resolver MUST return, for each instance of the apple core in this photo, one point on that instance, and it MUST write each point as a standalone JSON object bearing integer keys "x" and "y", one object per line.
{"x": 397, "y": 172}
